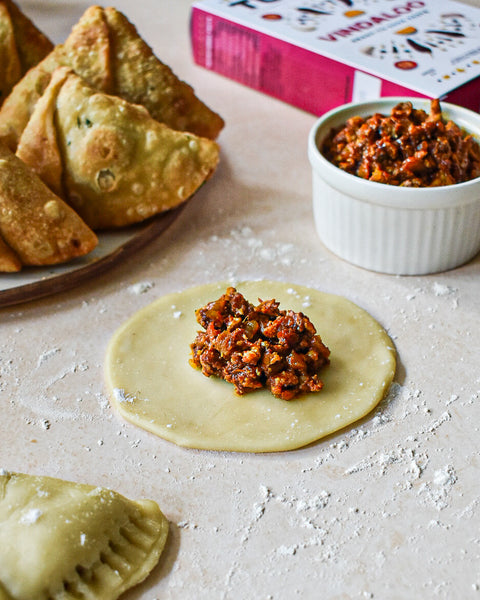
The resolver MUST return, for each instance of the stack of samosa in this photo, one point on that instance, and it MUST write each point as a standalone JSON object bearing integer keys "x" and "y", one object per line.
{"x": 104, "y": 48}
{"x": 110, "y": 159}
{"x": 108, "y": 128}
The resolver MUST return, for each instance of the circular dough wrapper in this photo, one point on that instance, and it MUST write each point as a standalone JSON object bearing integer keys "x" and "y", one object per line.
{"x": 153, "y": 385}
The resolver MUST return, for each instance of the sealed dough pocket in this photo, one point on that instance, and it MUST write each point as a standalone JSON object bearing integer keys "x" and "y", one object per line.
{"x": 65, "y": 540}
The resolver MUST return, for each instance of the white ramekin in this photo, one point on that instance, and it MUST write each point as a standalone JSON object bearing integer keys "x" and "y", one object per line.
{"x": 387, "y": 228}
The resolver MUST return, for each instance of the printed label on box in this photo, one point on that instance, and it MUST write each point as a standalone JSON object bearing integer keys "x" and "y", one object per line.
{"x": 429, "y": 47}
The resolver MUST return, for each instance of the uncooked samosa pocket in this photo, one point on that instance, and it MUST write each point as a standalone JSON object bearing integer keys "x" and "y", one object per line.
{"x": 60, "y": 539}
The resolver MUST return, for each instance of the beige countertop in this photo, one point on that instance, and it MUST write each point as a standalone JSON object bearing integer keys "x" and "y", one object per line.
{"x": 388, "y": 508}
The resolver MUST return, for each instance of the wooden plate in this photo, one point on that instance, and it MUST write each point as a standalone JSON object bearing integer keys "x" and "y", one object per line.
{"x": 113, "y": 247}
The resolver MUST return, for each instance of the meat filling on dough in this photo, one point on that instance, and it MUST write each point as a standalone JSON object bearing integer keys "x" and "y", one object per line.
{"x": 259, "y": 346}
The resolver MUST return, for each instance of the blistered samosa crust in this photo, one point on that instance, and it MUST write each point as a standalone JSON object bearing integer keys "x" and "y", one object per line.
{"x": 38, "y": 146}
{"x": 32, "y": 44}
{"x": 9, "y": 262}
{"x": 120, "y": 166}
{"x": 19, "y": 105}
{"x": 141, "y": 78}
{"x": 22, "y": 46}
{"x": 105, "y": 49}
{"x": 35, "y": 223}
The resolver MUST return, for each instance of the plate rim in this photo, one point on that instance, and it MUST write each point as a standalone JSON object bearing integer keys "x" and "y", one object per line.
{"x": 67, "y": 281}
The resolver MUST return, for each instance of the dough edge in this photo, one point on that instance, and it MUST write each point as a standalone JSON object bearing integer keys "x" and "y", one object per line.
{"x": 138, "y": 408}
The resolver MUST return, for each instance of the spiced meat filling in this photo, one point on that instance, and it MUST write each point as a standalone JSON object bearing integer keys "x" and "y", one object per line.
{"x": 408, "y": 148}
{"x": 256, "y": 347}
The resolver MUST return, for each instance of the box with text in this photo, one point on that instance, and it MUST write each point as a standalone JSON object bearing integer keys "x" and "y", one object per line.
{"x": 319, "y": 54}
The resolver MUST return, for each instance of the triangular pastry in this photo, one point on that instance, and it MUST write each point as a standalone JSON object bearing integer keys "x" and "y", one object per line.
{"x": 38, "y": 145}
{"x": 61, "y": 540}
{"x": 141, "y": 78}
{"x": 22, "y": 46}
{"x": 116, "y": 164}
{"x": 18, "y": 106}
{"x": 11, "y": 70}
{"x": 34, "y": 222}
{"x": 105, "y": 49}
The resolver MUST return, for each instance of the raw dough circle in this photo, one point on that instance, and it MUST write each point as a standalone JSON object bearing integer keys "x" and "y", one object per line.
{"x": 152, "y": 384}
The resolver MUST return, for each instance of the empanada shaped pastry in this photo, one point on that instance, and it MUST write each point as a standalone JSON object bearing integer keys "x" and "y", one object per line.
{"x": 104, "y": 48}
{"x": 22, "y": 46}
{"x": 34, "y": 222}
{"x": 63, "y": 541}
{"x": 116, "y": 165}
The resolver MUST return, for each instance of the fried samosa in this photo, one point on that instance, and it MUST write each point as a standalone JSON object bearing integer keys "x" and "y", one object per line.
{"x": 109, "y": 159}
{"x": 22, "y": 46}
{"x": 37, "y": 225}
{"x": 105, "y": 49}
{"x": 9, "y": 261}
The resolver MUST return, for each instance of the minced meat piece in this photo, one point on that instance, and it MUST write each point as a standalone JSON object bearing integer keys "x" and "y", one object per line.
{"x": 408, "y": 148}
{"x": 258, "y": 346}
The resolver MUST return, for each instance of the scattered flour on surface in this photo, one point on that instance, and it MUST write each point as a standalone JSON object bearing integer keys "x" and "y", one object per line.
{"x": 436, "y": 492}
{"x": 46, "y": 355}
{"x": 141, "y": 287}
{"x": 31, "y": 516}
{"x": 439, "y": 289}
{"x": 120, "y": 395}
{"x": 445, "y": 476}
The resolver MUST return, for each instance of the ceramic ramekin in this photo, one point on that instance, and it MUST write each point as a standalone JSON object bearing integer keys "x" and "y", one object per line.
{"x": 387, "y": 228}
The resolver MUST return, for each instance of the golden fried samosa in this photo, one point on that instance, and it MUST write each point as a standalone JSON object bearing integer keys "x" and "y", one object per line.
{"x": 119, "y": 165}
{"x": 22, "y": 46}
{"x": 17, "y": 108}
{"x": 35, "y": 223}
{"x": 141, "y": 78}
{"x": 38, "y": 146}
{"x": 105, "y": 49}
{"x": 9, "y": 261}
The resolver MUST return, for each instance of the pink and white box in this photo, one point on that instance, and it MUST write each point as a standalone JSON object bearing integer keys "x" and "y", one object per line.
{"x": 318, "y": 54}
